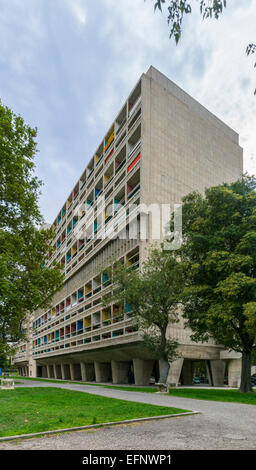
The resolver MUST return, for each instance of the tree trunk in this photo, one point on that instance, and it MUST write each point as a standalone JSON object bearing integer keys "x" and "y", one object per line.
{"x": 164, "y": 369}
{"x": 245, "y": 385}
{"x": 164, "y": 364}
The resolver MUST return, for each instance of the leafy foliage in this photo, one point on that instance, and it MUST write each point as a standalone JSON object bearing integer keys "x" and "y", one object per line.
{"x": 251, "y": 49}
{"x": 25, "y": 283}
{"x": 153, "y": 293}
{"x": 219, "y": 265}
{"x": 177, "y": 10}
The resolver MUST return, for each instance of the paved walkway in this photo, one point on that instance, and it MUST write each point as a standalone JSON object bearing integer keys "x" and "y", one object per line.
{"x": 220, "y": 426}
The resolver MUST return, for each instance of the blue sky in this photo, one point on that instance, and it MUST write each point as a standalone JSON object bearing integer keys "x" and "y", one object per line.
{"x": 68, "y": 65}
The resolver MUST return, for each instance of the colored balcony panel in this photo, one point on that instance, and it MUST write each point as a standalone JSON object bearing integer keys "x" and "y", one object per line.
{"x": 108, "y": 141}
{"x": 80, "y": 244}
{"x": 109, "y": 156}
{"x": 80, "y": 295}
{"x": 105, "y": 279}
{"x": 132, "y": 165}
{"x": 128, "y": 307}
{"x": 89, "y": 203}
{"x": 74, "y": 221}
{"x": 119, "y": 165}
{"x": 80, "y": 325}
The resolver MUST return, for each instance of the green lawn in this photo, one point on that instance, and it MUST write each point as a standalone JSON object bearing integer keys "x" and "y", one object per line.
{"x": 215, "y": 395}
{"x": 151, "y": 389}
{"x": 28, "y": 410}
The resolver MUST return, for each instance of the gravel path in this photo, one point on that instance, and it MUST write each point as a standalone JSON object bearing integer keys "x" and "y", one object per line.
{"x": 220, "y": 426}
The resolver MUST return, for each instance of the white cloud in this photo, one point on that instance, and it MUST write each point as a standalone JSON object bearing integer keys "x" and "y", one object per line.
{"x": 71, "y": 80}
{"x": 209, "y": 62}
{"x": 77, "y": 8}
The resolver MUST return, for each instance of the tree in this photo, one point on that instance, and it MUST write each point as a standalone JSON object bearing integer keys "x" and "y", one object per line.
{"x": 177, "y": 10}
{"x": 25, "y": 282}
{"x": 219, "y": 268}
{"x": 153, "y": 296}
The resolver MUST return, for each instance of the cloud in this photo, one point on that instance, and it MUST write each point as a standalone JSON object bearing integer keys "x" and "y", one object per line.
{"x": 67, "y": 67}
{"x": 78, "y": 9}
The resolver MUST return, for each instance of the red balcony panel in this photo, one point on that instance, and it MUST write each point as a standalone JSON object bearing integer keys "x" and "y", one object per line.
{"x": 108, "y": 157}
{"x": 134, "y": 162}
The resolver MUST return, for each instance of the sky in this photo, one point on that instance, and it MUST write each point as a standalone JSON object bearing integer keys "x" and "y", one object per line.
{"x": 67, "y": 66}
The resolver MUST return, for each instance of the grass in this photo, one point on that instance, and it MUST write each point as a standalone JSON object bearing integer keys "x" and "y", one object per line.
{"x": 28, "y": 410}
{"x": 232, "y": 396}
{"x": 115, "y": 387}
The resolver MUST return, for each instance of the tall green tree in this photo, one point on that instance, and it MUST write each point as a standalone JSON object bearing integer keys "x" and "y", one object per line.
{"x": 153, "y": 293}
{"x": 219, "y": 268}
{"x": 178, "y": 9}
{"x": 25, "y": 282}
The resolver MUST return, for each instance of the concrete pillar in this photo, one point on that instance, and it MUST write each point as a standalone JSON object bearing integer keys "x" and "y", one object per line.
{"x": 44, "y": 372}
{"x": 58, "y": 371}
{"x": 65, "y": 372}
{"x": 188, "y": 372}
{"x": 32, "y": 368}
{"x": 72, "y": 371}
{"x": 234, "y": 372}
{"x": 62, "y": 371}
{"x": 103, "y": 371}
{"x": 120, "y": 372}
{"x": 87, "y": 372}
{"x": 209, "y": 372}
{"x": 48, "y": 371}
{"x": 175, "y": 371}
{"x": 55, "y": 371}
{"x": 218, "y": 372}
{"x": 142, "y": 371}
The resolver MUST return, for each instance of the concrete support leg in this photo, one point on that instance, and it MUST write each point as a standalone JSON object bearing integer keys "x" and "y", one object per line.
{"x": 234, "y": 372}
{"x": 103, "y": 372}
{"x": 218, "y": 372}
{"x": 51, "y": 372}
{"x": 62, "y": 371}
{"x": 142, "y": 371}
{"x": 175, "y": 371}
{"x": 55, "y": 374}
{"x": 120, "y": 372}
{"x": 44, "y": 372}
{"x": 72, "y": 371}
{"x": 48, "y": 369}
{"x": 87, "y": 372}
{"x": 58, "y": 371}
{"x": 209, "y": 373}
{"x": 188, "y": 372}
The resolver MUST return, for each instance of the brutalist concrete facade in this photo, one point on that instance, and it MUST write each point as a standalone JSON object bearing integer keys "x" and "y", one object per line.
{"x": 162, "y": 145}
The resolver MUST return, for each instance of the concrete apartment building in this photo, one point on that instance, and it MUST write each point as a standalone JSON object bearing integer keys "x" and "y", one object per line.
{"x": 162, "y": 145}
